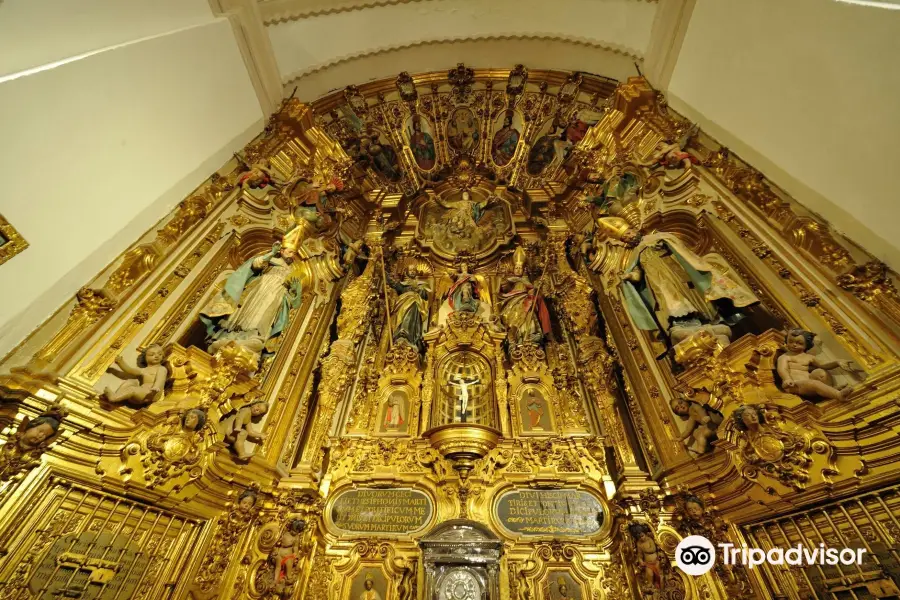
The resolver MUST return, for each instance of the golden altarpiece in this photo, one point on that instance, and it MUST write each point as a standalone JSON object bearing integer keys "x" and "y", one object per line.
{"x": 468, "y": 335}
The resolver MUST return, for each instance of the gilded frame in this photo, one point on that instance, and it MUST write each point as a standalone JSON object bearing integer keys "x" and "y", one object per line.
{"x": 14, "y": 243}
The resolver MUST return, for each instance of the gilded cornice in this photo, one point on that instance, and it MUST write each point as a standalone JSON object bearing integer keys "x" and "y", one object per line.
{"x": 14, "y": 243}
{"x": 578, "y": 41}
{"x": 275, "y": 12}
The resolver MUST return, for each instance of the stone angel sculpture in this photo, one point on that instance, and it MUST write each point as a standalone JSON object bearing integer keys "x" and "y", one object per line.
{"x": 702, "y": 423}
{"x": 669, "y": 289}
{"x": 255, "y": 303}
{"x": 804, "y": 374}
{"x": 647, "y": 553}
{"x": 239, "y": 427}
{"x": 148, "y": 378}
{"x": 285, "y": 558}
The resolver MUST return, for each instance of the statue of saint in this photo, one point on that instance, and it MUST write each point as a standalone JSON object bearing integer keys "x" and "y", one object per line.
{"x": 410, "y": 311}
{"x": 254, "y": 305}
{"x": 670, "y": 289}
{"x": 522, "y": 308}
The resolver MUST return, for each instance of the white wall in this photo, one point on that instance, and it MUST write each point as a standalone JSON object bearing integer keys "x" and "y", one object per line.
{"x": 96, "y": 150}
{"x": 807, "y": 91}
{"x": 37, "y": 32}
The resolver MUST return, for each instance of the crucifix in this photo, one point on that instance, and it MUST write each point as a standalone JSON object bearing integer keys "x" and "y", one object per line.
{"x": 463, "y": 384}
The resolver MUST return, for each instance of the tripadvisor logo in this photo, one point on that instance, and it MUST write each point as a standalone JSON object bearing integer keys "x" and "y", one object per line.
{"x": 695, "y": 555}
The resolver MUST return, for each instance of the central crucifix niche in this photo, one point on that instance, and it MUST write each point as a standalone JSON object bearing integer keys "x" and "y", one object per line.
{"x": 465, "y": 391}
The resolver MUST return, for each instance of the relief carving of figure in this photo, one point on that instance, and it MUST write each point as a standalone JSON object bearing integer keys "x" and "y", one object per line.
{"x": 522, "y": 307}
{"x": 239, "y": 427}
{"x": 255, "y": 304}
{"x": 410, "y": 311}
{"x": 702, "y": 423}
{"x": 803, "y": 374}
{"x": 668, "y": 288}
{"x": 149, "y": 378}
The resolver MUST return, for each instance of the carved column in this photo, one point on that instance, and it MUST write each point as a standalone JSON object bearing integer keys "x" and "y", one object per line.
{"x": 338, "y": 368}
{"x": 594, "y": 362}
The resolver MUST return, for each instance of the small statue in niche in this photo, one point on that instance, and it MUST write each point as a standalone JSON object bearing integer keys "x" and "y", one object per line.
{"x": 410, "y": 311}
{"x": 285, "y": 557}
{"x": 647, "y": 554}
{"x": 463, "y": 294}
{"x": 668, "y": 288}
{"x": 238, "y": 427}
{"x": 522, "y": 307}
{"x": 702, "y": 423}
{"x": 803, "y": 374}
{"x": 149, "y": 378}
{"x": 255, "y": 304}
{"x": 463, "y": 413}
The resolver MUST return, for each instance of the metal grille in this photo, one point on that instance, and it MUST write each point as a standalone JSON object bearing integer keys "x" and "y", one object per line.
{"x": 868, "y": 521}
{"x": 90, "y": 545}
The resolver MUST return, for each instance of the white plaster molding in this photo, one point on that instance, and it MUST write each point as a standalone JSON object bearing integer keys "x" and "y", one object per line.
{"x": 576, "y": 41}
{"x": 282, "y": 11}
{"x": 486, "y": 53}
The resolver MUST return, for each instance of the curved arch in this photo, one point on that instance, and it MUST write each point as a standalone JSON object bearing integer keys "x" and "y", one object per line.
{"x": 537, "y": 52}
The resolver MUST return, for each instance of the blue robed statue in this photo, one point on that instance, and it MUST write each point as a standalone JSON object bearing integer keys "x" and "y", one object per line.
{"x": 254, "y": 306}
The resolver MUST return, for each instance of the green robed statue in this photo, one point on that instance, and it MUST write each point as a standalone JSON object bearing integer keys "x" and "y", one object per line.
{"x": 669, "y": 288}
{"x": 254, "y": 306}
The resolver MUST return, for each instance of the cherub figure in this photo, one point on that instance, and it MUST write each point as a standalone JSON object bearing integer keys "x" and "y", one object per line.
{"x": 246, "y": 501}
{"x": 34, "y": 434}
{"x": 149, "y": 378}
{"x": 239, "y": 427}
{"x": 284, "y": 557}
{"x": 702, "y": 423}
{"x": 649, "y": 569}
{"x": 802, "y": 374}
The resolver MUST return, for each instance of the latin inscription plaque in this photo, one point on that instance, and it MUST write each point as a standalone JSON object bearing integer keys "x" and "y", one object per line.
{"x": 550, "y": 512}
{"x": 388, "y": 510}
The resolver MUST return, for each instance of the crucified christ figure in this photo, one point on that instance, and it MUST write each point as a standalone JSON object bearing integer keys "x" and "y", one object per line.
{"x": 463, "y": 384}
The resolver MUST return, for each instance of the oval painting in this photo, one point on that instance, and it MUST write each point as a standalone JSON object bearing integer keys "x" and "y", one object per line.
{"x": 462, "y": 129}
{"x": 421, "y": 141}
{"x": 508, "y": 128}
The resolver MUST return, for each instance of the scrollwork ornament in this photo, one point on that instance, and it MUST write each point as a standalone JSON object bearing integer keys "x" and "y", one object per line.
{"x": 776, "y": 452}
{"x": 242, "y": 515}
{"x": 169, "y": 452}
